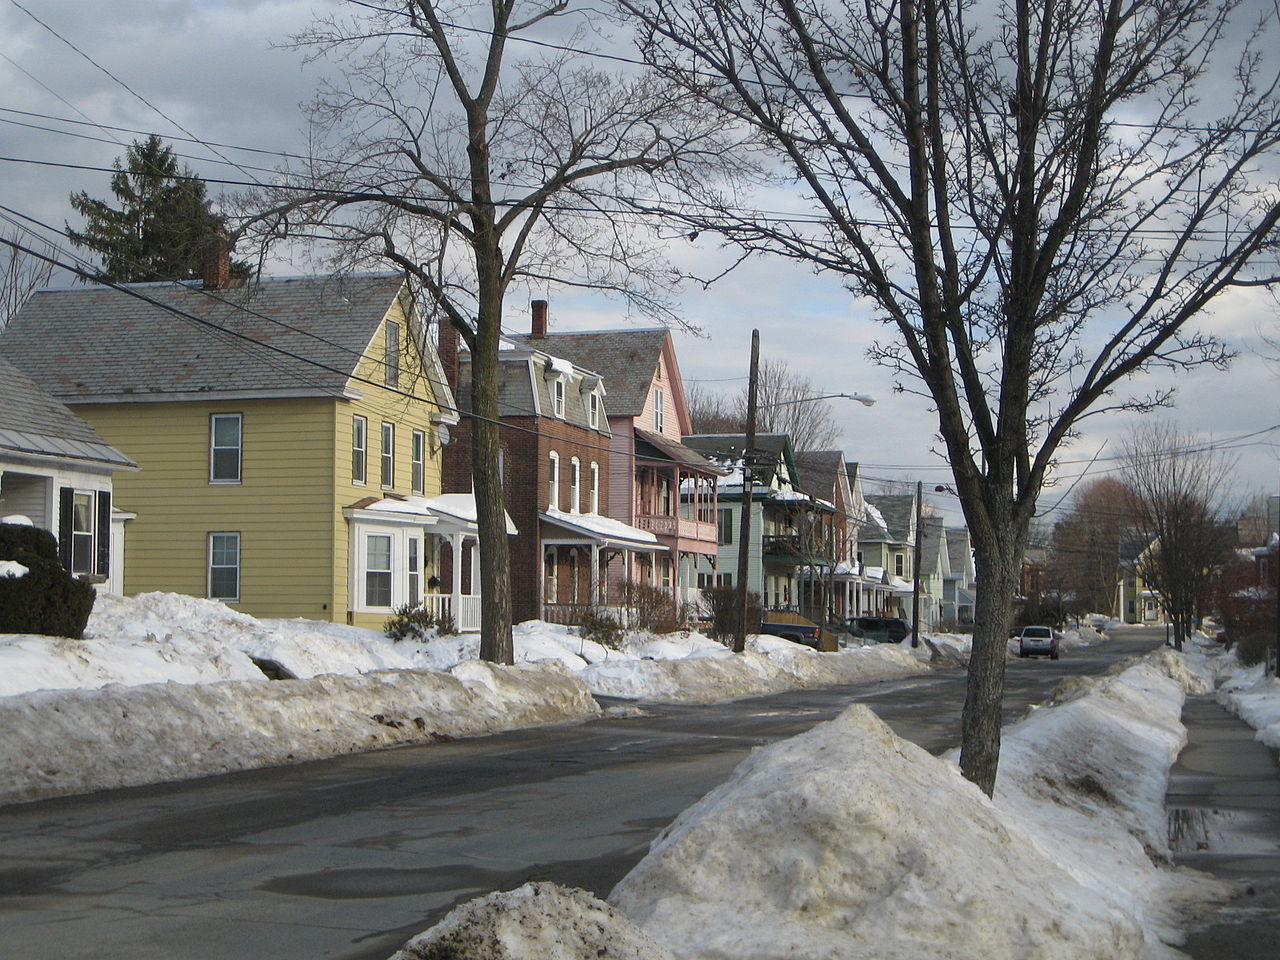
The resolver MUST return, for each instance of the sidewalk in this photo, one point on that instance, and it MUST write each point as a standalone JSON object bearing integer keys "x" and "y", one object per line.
{"x": 1224, "y": 818}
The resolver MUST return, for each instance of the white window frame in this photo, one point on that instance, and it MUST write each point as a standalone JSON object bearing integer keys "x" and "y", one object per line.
{"x": 575, "y": 485}
{"x": 550, "y": 575}
{"x": 388, "y": 571}
{"x": 214, "y": 448}
{"x": 557, "y": 397}
{"x": 359, "y": 450}
{"x": 418, "y": 465}
{"x": 210, "y": 566}
{"x": 553, "y": 480}
{"x": 659, "y": 409}
{"x": 414, "y": 563}
{"x": 84, "y": 539}
{"x": 593, "y": 410}
{"x": 595, "y": 487}
{"x": 387, "y": 456}
{"x": 899, "y": 564}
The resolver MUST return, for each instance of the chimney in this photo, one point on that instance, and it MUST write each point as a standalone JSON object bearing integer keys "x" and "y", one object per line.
{"x": 539, "y": 328}
{"x": 447, "y": 348}
{"x": 216, "y": 271}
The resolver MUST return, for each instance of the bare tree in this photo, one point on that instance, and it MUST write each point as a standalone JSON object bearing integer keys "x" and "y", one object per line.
{"x": 1036, "y": 197}
{"x": 1178, "y": 488}
{"x": 20, "y": 275}
{"x": 460, "y": 145}
{"x": 712, "y": 412}
{"x": 787, "y": 403}
{"x": 1084, "y": 546}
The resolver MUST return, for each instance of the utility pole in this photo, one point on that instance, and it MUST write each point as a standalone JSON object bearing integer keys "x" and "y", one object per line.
{"x": 748, "y": 485}
{"x": 915, "y": 591}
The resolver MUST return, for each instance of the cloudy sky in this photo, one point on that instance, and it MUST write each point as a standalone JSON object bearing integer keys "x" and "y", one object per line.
{"x": 216, "y": 68}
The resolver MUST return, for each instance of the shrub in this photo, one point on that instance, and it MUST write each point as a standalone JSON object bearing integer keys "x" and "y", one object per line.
{"x": 47, "y": 601}
{"x": 722, "y": 607}
{"x": 19, "y": 541}
{"x": 410, "y": 622}
{"x": 1252, "y": 646}
{"x": 651, "y": 608}
{"x": 600, "y": 628}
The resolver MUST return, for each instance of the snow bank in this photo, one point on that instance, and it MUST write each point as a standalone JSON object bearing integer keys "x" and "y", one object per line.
{"x": 65, "y": 742}
{"x": 1255, "y": 699}
{"x": 538, "y": 920}
{"x": 848, "y": 842}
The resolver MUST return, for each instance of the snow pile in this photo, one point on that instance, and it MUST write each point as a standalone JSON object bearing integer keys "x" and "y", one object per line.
{"x": 76, "y": 741}
{"x": 539, "y": 920}
{"x": 13, "y": 569}
{"x": 1255, "y": 699}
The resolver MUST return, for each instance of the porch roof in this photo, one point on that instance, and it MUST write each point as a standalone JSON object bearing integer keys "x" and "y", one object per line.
{"x": 450, "y": 512}
{"x": 677, "y": 452}
{"x": 594, "y": 528}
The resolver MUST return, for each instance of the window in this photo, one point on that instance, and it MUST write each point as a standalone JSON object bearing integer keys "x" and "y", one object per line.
{"x": 666, "y": 571}
{"x": 391, "y": 363}
{"x": 388, "y": 455}
{"x": 664, "y": 497}
{"x": 724, "y": 579}
{"x": 419, "y": 447}
{"x": 82, "y": 555}
{"x": 377, "y": 570}
{"x": 659, "y": 409}
{"x": 573, "y": 574}
{"x": 224, "y": 567}
{"x": 899, "y": 564}
{"x": 575, "y": 486}
{"x": 726, "y": 526}
{"x": 553, "y": 481}
{"x": 359, "y": 448}
{"x": 415, "y": 571}
{"x": 552, "y": 577}
{"x": 593, "y": 410}
{"x": 557, "y": 397}
{"x": 224, "y": 448}
{"x": 595, "y": 487}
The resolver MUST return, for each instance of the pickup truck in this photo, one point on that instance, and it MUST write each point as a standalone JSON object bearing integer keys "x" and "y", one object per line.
{"x": 804, "y": 632}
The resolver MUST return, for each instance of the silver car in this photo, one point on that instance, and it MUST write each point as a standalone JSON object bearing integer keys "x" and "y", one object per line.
{"x": 1035, "y": 641}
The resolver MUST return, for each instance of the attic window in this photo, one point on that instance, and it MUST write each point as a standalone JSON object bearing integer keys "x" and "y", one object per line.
{"x": 392, "y": 362}
{"x": 593, "y": 411}
{"x": 557, "y": 397}
{"x": 659, "y": 410}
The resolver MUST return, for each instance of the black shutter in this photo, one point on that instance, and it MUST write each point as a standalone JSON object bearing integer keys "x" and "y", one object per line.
{"x": 104, "y": 533}
{"x": 66, "y": 505}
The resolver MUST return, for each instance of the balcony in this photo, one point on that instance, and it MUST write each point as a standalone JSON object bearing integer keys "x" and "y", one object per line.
{"x": 664, "y": 526}
{"x": 791, "y": 548}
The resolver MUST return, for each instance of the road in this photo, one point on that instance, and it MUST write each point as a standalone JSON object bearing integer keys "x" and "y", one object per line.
{"x": 347, "y": 858}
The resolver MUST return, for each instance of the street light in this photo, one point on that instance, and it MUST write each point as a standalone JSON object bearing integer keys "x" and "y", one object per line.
{"x": 862, "y": 398}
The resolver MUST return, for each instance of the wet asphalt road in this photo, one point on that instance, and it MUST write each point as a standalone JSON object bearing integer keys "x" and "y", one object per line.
{"x": 347, "y": 858}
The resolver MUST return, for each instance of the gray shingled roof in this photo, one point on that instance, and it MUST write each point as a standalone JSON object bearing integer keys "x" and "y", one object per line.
{"x": 672, "y": 450}
{"x": 98, "y": 343}
{"x": 897, "y": 509}
{"x": 728, "y": 448}
{"x": 520, "y": 376}
{"x": 959, "y": 550}
{"x": 819, "y": 472}
{"x": 930, "y": 543}
{"x": 627, "y": 359}
{"x": 32, "y": 422}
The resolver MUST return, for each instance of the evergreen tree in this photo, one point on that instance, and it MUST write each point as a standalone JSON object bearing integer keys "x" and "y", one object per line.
{"x": 162, "y": 226}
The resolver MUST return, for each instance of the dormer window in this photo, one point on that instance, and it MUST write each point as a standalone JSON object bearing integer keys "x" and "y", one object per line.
{"x": 557, "y": 398}
{"x": 593, "y": 411}
{"x": 659, "y": 409}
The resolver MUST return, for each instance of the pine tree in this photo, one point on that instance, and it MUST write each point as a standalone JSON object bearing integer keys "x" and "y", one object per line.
{"x": 162, "y": 226}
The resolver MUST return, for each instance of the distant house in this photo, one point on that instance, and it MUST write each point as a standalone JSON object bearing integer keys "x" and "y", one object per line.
{"x": 957, "y": 588}
{"x": 793, "y": 533}
{"x": 935, "y": 567}
{"x": 889, "y": 543}
{"x": 288, "y": 435}
{"x": 557, "y": 476}
{"x": 656, "y": 482}
{"x": 56, "y": 471}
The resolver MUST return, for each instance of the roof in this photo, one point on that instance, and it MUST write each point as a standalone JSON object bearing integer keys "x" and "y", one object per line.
{"x": 627, "y": 359}
{"x": 35, "y": 424}
{"x": 728, "y": 448}
{"x": 931, "y": 541}
{"x": 897, "y": 510}
{"x": 525, "y": 378}
{"x": 603, "y": 530}
{"x": 670, "y": 449}
{"x": 819, "y": 471}
{"x": 154, "y": 341}
{"x": 959, "y": 550}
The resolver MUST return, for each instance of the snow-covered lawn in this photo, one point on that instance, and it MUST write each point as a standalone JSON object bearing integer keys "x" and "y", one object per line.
{"x": 848, "y": 842}
{"x": 165, "y": 687}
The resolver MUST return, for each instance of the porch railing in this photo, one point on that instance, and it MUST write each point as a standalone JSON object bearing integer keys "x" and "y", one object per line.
{"x": 466, "y": 619}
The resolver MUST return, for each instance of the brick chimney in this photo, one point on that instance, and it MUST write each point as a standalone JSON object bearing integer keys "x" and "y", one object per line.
{"x": 447, "y": 348}
{"x": 216, "y": 272}
{"x": 539, "y": 328}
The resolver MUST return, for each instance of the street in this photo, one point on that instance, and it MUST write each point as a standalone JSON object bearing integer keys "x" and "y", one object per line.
{"x": 349, "y": 857}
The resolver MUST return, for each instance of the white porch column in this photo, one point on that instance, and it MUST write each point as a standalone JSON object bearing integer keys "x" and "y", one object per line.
{"x": 475, "y": 566}
{"x": 455, "y": 602}
{"x": 595, "y": 574}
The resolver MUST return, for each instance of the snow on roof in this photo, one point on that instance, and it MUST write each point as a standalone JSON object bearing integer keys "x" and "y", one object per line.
{"x": 601, "y": 527}
{"x": 874, "y": 513}
{"x": 456, "y": 507}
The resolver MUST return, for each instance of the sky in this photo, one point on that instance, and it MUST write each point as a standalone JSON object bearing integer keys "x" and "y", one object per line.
{"x": 218, "y": 70}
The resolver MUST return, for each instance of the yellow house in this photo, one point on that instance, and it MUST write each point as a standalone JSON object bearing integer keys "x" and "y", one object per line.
{"x": 288, "y": 436}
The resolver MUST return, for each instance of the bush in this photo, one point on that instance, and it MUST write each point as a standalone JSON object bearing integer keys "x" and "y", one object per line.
{"x": 1252, "y": 646}
{"x": 47, "y": 601}
{"x": 410, "y": 622}
{"x": 722, "y": 607}
{"x": 651, "y": 608}
{"x": 19, "y": 541}
{"x": 600, "y": 628}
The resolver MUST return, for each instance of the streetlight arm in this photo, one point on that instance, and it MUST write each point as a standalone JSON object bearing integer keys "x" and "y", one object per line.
{"x": 862, "y": 398}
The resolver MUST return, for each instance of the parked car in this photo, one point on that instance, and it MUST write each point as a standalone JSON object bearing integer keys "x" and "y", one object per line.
{"x": 879, "y": 629}
{"x": 1038, "y": 640}
{"x": 806, "y": 633}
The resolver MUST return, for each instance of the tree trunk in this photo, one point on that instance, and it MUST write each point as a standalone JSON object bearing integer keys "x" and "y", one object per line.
{"x": 496, "y": 645}
{"x": 998, "y": 561}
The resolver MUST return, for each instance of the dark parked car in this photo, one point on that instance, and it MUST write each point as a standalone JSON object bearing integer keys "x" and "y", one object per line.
{"x": 879, "y": 629}
{"x": 806, "y": 633}
{"x": 1038, "y": 640}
